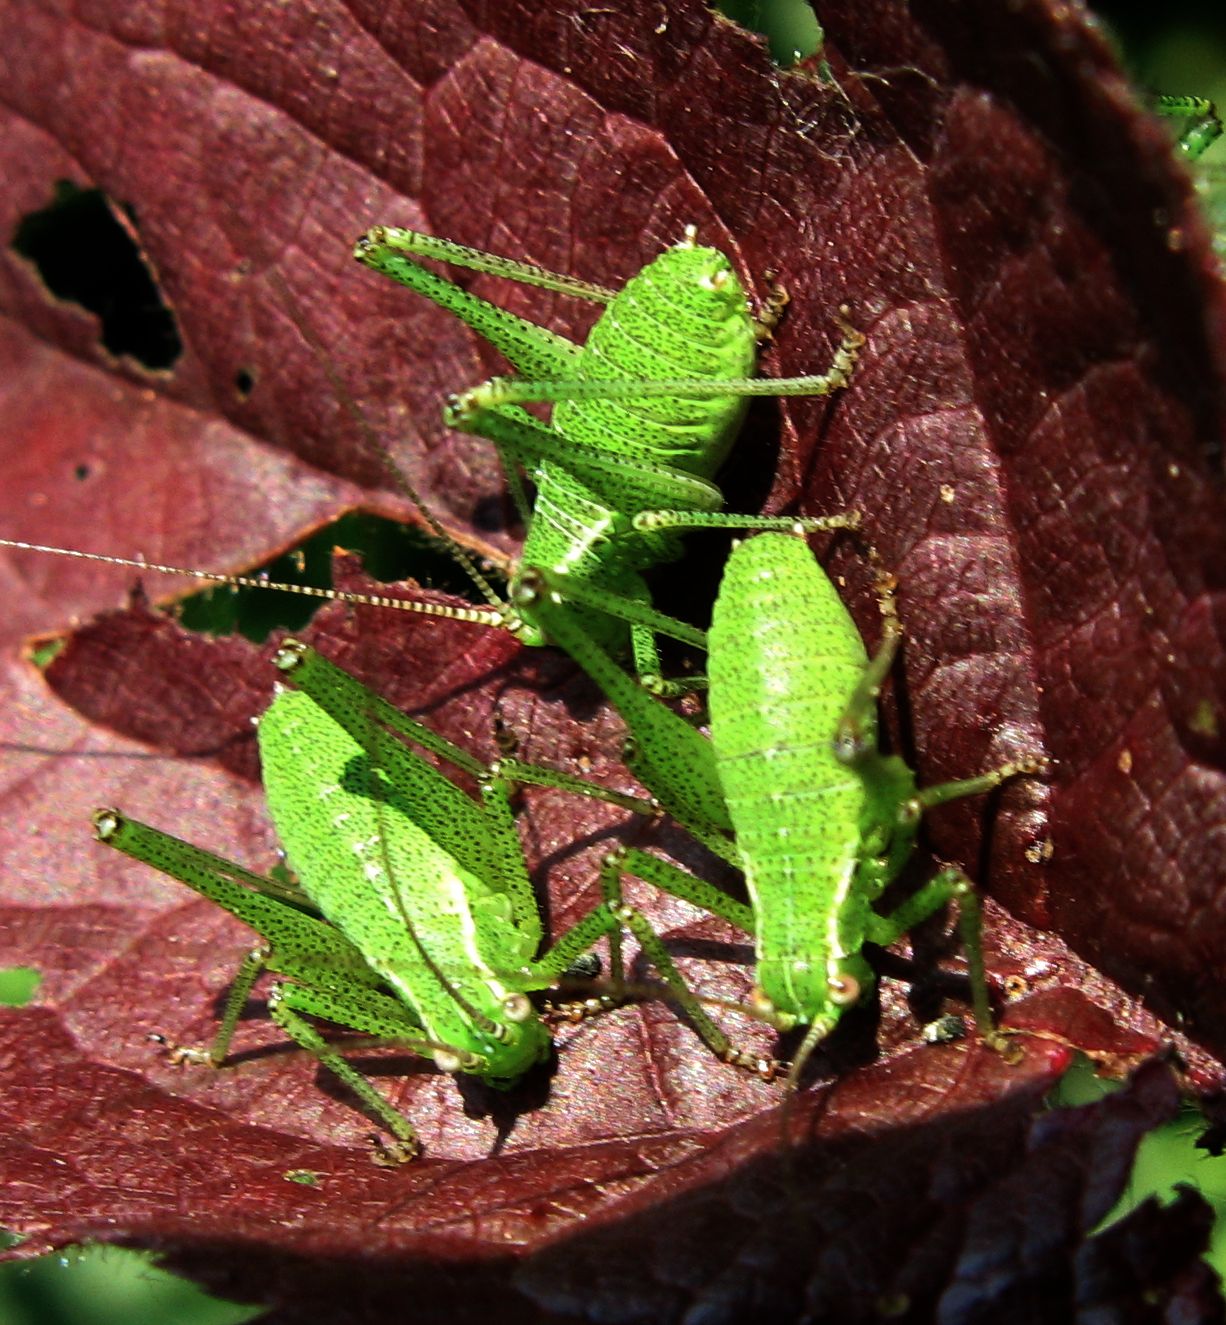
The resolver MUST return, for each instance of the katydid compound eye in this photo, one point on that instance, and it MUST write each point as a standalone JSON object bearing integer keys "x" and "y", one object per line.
{"x": 844, "y": 990}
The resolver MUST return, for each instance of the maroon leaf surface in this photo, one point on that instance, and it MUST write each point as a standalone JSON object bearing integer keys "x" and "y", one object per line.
{"x": 1033, "y": 434}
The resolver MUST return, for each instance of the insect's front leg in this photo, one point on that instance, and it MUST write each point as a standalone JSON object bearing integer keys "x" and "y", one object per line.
{"x": 941, "y": 792}
{"x": 951, "y": 884}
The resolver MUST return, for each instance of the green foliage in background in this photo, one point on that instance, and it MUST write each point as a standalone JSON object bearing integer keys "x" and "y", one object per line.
{"x": 1168, "y": 1157}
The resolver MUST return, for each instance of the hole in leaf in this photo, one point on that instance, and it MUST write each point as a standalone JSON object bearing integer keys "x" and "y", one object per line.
{"x": 244, "y": 383}
{"x": 86, "y": 252}
{"x": 1166, "y": 1157}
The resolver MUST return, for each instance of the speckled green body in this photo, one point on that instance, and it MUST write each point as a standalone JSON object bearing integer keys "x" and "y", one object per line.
{"x": 790, "y": 787}
{"x": 643, "y": 415}
{"x": 413, "y": 919}
{"x": 784, "y": 657}
{"x": 437, "y": 933}
{"x": 685, "y": 315}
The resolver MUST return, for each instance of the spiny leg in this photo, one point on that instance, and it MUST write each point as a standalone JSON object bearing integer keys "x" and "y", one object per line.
{"x": 338, "y": 694}
{"x": 253, "y": 966}
{"x": 938, "y": 794}
{"x": 536, "y": 580}
{"x": 499, "y": 392}
{"x": 331, "y": 978}
{"x": 379, "y": 248}
{"x": 367, "y": 1012}
{"x": 950, "y": 884}
{"x": 665, "y": 752}
{"x": 679, "y": 883}
{"x": 630, "y": 485}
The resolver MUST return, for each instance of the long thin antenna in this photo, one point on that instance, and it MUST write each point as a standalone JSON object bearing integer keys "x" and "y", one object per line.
{"x": 480, "y": 615}
{"x": 399, "y": 479}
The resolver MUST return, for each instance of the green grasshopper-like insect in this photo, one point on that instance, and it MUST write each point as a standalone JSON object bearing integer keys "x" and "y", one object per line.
{"x": 591, "y": 493}
{"x": 791, "y": 786}
{"x": 1201, "y": 127}
{"x": 643, "y": 415}
{"x": 873, "y": 806}
{"x": 416, "y": 922}
{"x": 663, "y": 742}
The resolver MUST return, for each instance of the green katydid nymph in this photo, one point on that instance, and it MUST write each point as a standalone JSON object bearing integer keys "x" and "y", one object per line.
{"x": 791, "y": 786}
{"x": 644, "y": 413}
{"x": 631, "y": 431}
{"x": 416, "y": 924}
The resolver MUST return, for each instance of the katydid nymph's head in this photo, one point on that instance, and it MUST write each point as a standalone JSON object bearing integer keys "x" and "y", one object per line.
{"x": 505, "y": 1040}
{"x": 792, "y": 993}
{"x": 709, "y": 271}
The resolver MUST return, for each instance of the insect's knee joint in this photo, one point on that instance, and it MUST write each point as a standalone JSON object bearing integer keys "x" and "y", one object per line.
{"x": 850, "y": 743}
{"x": 461, "y": 408}
{"x": 289, "y": 657}
{"x": 961, "y": 889}
{"x": 107, "y": 822}
{"x": 456, "y": 1060}
{"x": 391, "y": 1154}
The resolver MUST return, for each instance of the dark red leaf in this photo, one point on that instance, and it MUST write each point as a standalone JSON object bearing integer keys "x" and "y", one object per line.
{"x": 1033, "y": 435}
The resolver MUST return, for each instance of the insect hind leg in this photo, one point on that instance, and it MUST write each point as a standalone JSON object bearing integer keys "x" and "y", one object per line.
{"x": 366, "y": 1011}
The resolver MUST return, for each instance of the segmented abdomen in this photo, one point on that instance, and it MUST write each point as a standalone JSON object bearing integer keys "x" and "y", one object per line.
{"x": 684, "y": 316}
{"x": 392, "y": 891}
{"x": 785, "y": 657}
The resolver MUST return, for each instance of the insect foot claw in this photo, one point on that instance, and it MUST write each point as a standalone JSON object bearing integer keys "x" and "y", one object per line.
{"x": 182, "y": 1055}
{"x": 768, "y": 1069}
{"x": 771, "y": 312}
{"x": 571, "y": 1014}
{"x": 391, "y": 1154}
{"x": 456, "y": 410}
{"x": 1005, "y": 1043}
